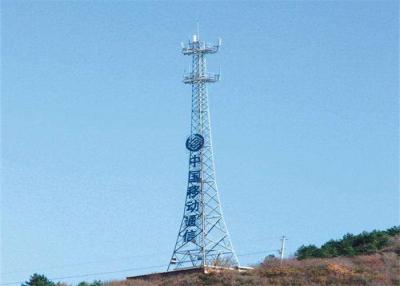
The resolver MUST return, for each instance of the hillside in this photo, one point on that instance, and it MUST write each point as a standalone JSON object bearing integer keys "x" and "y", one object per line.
{"x": 379, "y": 268}
{"x": 369, "y": 258}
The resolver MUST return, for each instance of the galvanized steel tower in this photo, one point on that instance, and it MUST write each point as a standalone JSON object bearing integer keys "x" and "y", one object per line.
{"x": 203, "y": 239}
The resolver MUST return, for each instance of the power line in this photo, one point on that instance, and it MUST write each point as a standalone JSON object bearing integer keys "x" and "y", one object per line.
{"x": 117, "y": 259}
{"x": 83, "y": 263}
{"x": 124, "y": 270}
{"x": 257, "y": 252}
{"x": 91, "y": 274}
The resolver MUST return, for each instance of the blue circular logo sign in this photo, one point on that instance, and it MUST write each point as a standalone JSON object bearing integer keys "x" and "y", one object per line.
{"x": 195, "y": 142}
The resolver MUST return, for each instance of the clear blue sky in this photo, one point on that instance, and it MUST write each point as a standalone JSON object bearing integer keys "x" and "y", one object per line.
{"x": 94, "y": 119}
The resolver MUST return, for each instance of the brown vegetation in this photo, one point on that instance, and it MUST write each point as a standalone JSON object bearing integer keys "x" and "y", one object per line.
{"x": 377, "y": 269}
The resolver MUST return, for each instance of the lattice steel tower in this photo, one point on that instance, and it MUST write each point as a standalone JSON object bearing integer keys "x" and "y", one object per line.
{"x": 203, "y": 239}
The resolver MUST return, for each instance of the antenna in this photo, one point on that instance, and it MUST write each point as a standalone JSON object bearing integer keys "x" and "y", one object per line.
{"x": 198, "y": 30}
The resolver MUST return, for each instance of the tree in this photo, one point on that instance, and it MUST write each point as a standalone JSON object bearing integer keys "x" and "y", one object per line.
{"x": 393, "y": 230}
{"x": 349, "y": 245}
{"x": 38, "y": 280}
{"x": 94, "y": 283}
{"x": 308, "y": 251}
{"x": 270, "y": 257}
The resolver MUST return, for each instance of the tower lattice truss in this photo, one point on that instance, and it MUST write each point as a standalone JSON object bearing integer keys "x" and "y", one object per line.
{"x": 203, "y": 239}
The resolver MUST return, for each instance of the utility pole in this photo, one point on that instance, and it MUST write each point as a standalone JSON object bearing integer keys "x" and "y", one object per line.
{"x": 282, "y": 250}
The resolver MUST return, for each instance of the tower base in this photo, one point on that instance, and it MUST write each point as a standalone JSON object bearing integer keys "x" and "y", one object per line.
{"x": 191, "y": 270}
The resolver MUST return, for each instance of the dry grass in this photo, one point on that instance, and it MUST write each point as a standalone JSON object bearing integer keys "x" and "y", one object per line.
{"x": 371, "y": 270}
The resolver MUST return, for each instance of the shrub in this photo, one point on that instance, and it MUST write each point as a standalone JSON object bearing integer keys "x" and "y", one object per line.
{"x": 38, "y": 280}
{"x": 350, "y": 245}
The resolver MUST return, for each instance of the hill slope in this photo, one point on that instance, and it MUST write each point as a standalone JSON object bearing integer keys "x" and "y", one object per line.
{"x": 379, "y": 268}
